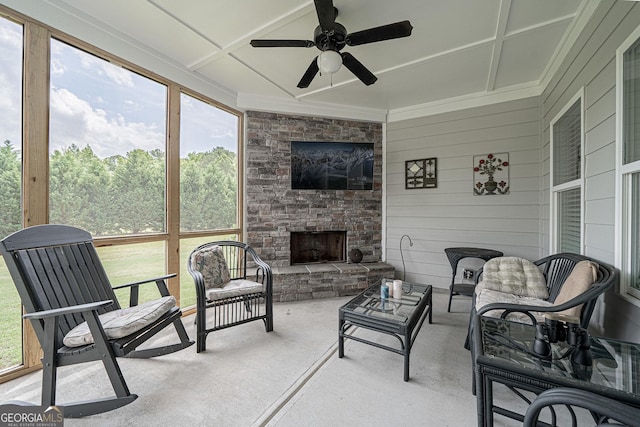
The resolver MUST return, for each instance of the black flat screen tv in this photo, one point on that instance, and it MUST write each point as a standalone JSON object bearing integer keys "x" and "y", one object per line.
{"x": 331, "y": 165}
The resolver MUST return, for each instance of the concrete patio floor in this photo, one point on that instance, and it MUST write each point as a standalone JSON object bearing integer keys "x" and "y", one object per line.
{"x": 289, "y": 377}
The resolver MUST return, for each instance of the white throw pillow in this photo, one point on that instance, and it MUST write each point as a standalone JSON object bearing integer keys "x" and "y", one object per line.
{"x": 583, "y": 275}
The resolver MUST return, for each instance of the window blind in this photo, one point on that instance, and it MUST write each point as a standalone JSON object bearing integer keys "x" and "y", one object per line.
{"x": 569, "y": 221}
{"x": 631, "y": 100}
{"x": 567, "y": 141}
{"x": 634, "y": 220}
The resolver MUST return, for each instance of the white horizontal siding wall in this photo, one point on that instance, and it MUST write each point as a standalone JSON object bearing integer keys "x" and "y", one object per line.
{"x": 591, "y": 64}
{"x": 451, "y": 215}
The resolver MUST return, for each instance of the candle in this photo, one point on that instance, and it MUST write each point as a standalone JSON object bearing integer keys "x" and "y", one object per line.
{"x": 397, "y": 289}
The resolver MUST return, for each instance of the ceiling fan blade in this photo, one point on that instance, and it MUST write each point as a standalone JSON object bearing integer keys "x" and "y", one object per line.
{"x": 282, "y": 43}
{"x": 377, "y": 34}
{"x": 359, "y": 70}
{"x": 308, "y": 76}
{"x": 326, "y": 15}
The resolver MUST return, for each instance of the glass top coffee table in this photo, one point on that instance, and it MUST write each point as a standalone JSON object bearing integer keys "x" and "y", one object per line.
{"x": 502, "y": 352}
{"x": 399, "y": 317}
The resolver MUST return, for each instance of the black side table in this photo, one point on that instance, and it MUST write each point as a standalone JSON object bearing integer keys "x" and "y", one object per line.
{"x": 455, "y": 255}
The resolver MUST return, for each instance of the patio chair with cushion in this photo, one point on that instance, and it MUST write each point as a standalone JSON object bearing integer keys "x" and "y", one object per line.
{"x": 233, "y": 286}
{"x": 75, "y": 312}
{"x": 519, "y": 290}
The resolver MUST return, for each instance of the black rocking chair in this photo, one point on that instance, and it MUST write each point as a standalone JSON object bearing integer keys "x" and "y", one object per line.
{"x": 62, "y": 284}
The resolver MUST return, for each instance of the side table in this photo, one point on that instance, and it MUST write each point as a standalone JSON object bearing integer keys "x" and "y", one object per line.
{"x": 455, "y": 255}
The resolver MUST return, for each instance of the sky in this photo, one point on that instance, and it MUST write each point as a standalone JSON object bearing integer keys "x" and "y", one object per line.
{"x": 99, "y": 104}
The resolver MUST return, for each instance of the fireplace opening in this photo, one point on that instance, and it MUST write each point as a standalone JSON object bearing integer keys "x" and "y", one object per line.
{"x": 318, "y": 247}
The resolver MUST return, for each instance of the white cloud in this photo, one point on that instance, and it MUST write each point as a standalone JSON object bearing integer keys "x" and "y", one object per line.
{"x": 118, "y": 75}
{"x": 75, "y": 121}
{"x": 10, "y": 111}
{"x": 57, "y": 68}
{"x": 10, "y": 83}
{"x": 222, "y": 133}
{"x": 10, "y": 38}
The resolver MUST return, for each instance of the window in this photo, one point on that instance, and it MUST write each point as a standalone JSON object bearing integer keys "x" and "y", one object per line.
{"x": 566, "y": 178}
{"x": 103, "y": 152}
{"x": 208, "y": 179}
{"x": 107, "y": 146}
{"x": 208, "y": 167}
{"x": 628, "y": 166}
{"x": 10, "y": 184}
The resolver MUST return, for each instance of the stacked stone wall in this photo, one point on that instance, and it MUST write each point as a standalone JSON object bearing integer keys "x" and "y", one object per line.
{"x": 274, "y": 209}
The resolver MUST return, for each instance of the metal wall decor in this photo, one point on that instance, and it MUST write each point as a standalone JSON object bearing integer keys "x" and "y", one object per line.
{"x": 421, "y": 173}
{"x": 491, "y": 174}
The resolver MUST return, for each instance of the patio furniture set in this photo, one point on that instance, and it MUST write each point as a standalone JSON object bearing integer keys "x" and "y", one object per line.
{"x": 77, "y": 318}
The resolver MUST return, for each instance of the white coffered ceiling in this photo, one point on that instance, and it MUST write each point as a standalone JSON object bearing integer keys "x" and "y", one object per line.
{"x": 459, "y": 49}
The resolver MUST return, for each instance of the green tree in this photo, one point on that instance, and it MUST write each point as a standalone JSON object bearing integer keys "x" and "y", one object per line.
{"x": 10, "y": 189}
{"x": 138, "y": 188}
{"x": 79, "y": 190}
{"x": 208, "y": 192}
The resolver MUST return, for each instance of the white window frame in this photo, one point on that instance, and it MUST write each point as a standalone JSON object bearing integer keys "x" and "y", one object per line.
{"x": 623, "y": 183}
{"x": 555, "y": 190}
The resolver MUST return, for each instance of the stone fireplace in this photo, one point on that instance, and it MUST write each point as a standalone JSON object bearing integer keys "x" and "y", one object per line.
{"x": 275, "y": 211}
{"x": 318, "y": 247}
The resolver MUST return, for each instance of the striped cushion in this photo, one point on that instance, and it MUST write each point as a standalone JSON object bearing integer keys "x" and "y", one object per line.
{"x": 488, "y": 296}
{"x": 233, "y": 289}
{"x": 516, "y": 276}
{"x": 123, "y": 322}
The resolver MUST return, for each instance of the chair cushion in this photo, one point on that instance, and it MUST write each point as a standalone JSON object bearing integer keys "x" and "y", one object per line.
{"x": 210, "y": 262}
{"x": 583, "y": 275}
{"x": 486, "y": 296}
{"x": 234, "y": 288}
{"x": 516, "y": 276}
{"x": 122, "y": 322}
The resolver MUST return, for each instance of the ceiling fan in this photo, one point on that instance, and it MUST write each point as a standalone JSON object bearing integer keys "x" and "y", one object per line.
{"x": 331, "y": 37}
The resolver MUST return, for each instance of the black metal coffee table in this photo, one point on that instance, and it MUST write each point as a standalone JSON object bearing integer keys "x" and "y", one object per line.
{"x": 399, "y": 317}
{"x": 499, "y": 357}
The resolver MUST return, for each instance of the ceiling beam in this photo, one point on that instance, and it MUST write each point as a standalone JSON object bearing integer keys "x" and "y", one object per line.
{"x": 244, "y": 39}
{"x": 501, "y": 29}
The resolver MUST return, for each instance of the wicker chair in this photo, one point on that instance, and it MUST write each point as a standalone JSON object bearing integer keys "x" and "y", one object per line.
{"x": 556, "y": 269}
{"x": 603, "y": 409}
{"x": 227, "y": 291}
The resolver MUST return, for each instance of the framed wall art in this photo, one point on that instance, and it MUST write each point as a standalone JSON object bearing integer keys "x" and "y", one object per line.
{"x": 421, "y": 173}
{"x": 491, "y": 174}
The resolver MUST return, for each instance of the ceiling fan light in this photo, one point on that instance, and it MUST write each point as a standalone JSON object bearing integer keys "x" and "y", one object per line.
{"x": 329, "y": 61}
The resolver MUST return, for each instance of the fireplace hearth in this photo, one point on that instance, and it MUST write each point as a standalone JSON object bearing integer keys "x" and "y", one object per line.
{"x": 318, "y": 247}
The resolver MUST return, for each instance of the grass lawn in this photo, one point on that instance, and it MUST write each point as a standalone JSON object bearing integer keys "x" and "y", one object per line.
{"x": 124, "y": 264}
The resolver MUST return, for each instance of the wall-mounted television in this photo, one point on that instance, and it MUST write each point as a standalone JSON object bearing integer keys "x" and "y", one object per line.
{"x": 331, "y": 165}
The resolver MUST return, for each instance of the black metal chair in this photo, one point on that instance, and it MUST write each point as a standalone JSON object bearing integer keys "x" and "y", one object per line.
{"x": 244, "y": 297}
{"x": 605, "y": 411}
{"x": 556, "y": 269}
{"x": 62, "y": 284}
{"x": 455, "y": 255}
